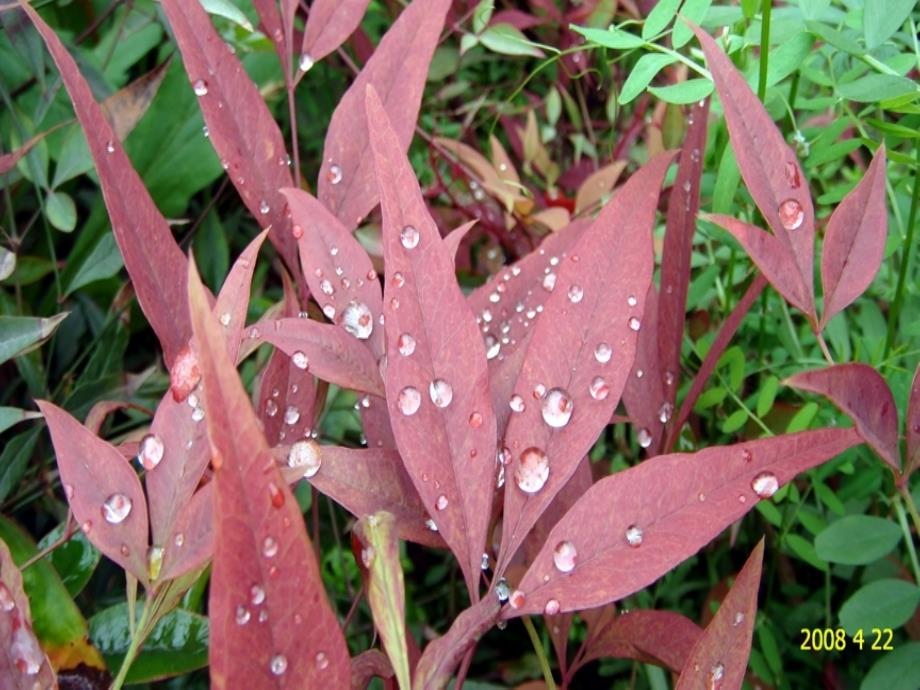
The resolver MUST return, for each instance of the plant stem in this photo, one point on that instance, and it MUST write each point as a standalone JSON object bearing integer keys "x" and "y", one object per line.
{"x": 136, "y": 640}
{"x": 902, "y": 518}
{"x": 541, "y": 654}
{"x": 764, "y": 49}
{"x": 824, "y": 349}
{"x": 905, "y": 257}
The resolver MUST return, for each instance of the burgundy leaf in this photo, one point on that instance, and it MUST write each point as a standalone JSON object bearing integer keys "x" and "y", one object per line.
{"x": 271, "y": 21}
{"x": 363, "y": 481}
{"x": 455, "y": 237}
{"x": 193, "y": 543}
{"x": 369, "y": 664}
{"x": 154, "y": 261}
{"x": 9, "y": 160}
{"x": 233, "y": 299}
{"x": 683, "y": 204}
{"x": 667, "y": 508}
{"x": 580, "y": 353}
{"x": 240, "y": 126}
{"x": 329, "y": 24}
{"x": 772, "y": 175}
{"x": 103, "y": 490}
{"x": 397, "y": 71}
{"x": 574, "y": 489}
{"x": 646, "y": 392}
{"x": 912, "y": 427}
{"x": 437, "y": 379}
{"x": 664, "y": 638}
{"x": 720, "y": 658}
{"x": 442, "y": 655}
{"x": 328, "y": 351}
{"x": 23, "y": 664}
{"x": 271, "y": 624}
{"x": 862, "y": 394}
{"x": 854, "y": 242}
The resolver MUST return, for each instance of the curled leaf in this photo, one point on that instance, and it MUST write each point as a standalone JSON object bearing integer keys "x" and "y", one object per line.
{"x": 329, "y": 24}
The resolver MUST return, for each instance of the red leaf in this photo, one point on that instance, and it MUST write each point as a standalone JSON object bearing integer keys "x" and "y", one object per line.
{"x": 271, "y": 20}
{"x": 327, "y": 351}
{"x": 233, "y": 299}
{"x": 594, "y": 555}
{"x": 329, "y": 24}
{"x": 437, "y": 379}
{"x": 103, "y": 490}
{"x": 772, "y": 174}
{"x": 369, "y": 664}
{"x": 862, "y": 394}
{"x": 645, "y": 394}
{"x": 240, "y": 126}
{"x": 154, "y": 261}
{"x": 397, "y": 71}
{"x": 364, "y": 481}
{"x": 912, "y": 427}
{"x": 575, "y": 488}
{"x": 581, "y": 351}
{"x": 9, "y": 160}
{"x": 854, "y": 242}
{"x": 456, "y": 236}
{"x": 719, "y": 660}
{"x": 23, "y": 664}
{"x": 271, "y": 625}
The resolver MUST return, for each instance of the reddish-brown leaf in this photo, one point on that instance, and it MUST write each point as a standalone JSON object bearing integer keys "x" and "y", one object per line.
{"x": 326, "y": 350}
{"x": 369, "y": 664}
{"x": 912, "y": 427}
{"x": 854, "y": 242}
{"x": 329, "y": 24}
{"x": 862, "y": 394}
{"x": 8, "y": 160}
{"x": 233, "y": 299}
{"x": 271, "y": 21}
{"x": 271, "y": 625}
{"x": 240, "y": 126}
{"x": 580, "y": 353}
{"x": 154, "y": 261}
{"x": 23, "y": 664}
{"x": 193, "y": 541}
{"x": 455, "y": 237}
{"x": 574, "y": 489}
{"x": 667, "y": 508}
{"x": 436, "y": 378}
{"x": 772, "y": 174}
{"x": 397, "y": 71}
{"x": 646, "y": 394}
{"x": 719, "y": 659}
{"x": 104, "y": 492}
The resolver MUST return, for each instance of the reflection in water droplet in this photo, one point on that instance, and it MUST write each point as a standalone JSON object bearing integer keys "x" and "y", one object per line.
{"x": 409, "y": 237}
{"x": 516, "y": 403}
{"x": 599, "y": 389}
{"x": 278, "y": 664}
{"x": 291, "y": 415}
{"x": 325, "y": 286}
{"x": 150, "y": 451}
{"x": 441, "y": 393}
{"x": 644, "y": 436}
{"x": 634, "y": 323}
{"x": 484, "y": 564}
{"x": 664, "y": 412}
{"x": 502, "y": 590}
{"x": 716, "y": 674}
{"x": 493, "y": 346}
{"x": 532, "y": 470}
{"x": 549, "y": 282}
{"x": 552, "y": 607}
{"x": 409, "y": 400}
{"x": 576, "y": 294}
{"x": 557, "y": 407}
{"x": 256, "y": 595}
{"x": 358, "y": 320}
{"x": 271, "y": 407}
{"x": 603, "y": 352}
{"x": 765, "y": 484}
{"x": 406, "y": 344}
{"x": 300, "y": 360}
{"x": 200, "y": 87}
{"x": 307, "y": 456}
{"x": 791, "y": 214}
{"x": 116, "y": 508}
{"x": 634, "y": 535}
{"x": 564, "y": 556}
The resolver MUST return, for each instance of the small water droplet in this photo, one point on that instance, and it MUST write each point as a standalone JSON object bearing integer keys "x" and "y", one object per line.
{"x": 200, "y": 87}
{"x": 358, "y": 320}
{"x": 291, "y": 415}
{"x": 549, "y": 282}
{"x": 517, "y": 599}
{"x": 179, "y": 540}
{"x": 305, "y": 63}
{"x": 263, "y": 616}
{"x": 765, "y": 484}
{"x": 791, "y": 214}
{"x": 576, "y": 294}
{"x": 441, "y": 502}
{"x": 116, "y": 508}
{"x": 603, "y": 352}
{"x": 738, "y": 619}
{"x": 484, "y": 565}
{"x": 7, "y": 603}
{"x": 634, "y": 323}
{"x": 271, "y": 407}
{"x": 634, "y": 536}
{"x": 264, "y": 208}
{"x": 502, "y": 590}
{"x": 409, "y": 237}
{"x": 242, "y": 615}
{"x": 110, "y": 146}
{"x": 557, "y": 407}
{"x": 278, "y": 664}
{"x": 493, "y": 346}
{"x": 716, "y": 674}
{"x": 322, "y": 661}
{"x": 564, "y": 556}
{"x": 269, "y": 547}
{"x": 532, "y": 470}
{"x": 516, "y": 403}
{"x": 552, "y": 607}
{"x": 409, "y": 400}
{"x": 326, "y": 287}
{"x": 599, "y": 389}
{"x": 632, "y": 301}
{"x": 149, "y": 452}
{"x": 539, "y": 391}
{"x": 475, "y": 420}
{"x": 669, "y": 378}
{"x": 664, "y": 412}
{"x": 256, "y": 595}
{"x": 430, "y": 524}
{"x": 300, "y": 360}
{"x": 334, "y": 174}
{"x": 644, "y": 436}
{"x": 197, "y": 414}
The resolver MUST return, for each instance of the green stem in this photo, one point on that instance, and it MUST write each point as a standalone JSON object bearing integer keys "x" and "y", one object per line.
{"x": 136, "y": 640}
{"x": 541, "y": 654}
{"x": 764, "y": 49}
{"x": 905, "y": 256}
{"x": 902, "y": 518}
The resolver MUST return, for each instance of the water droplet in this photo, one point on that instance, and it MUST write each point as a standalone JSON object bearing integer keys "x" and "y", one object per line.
{"x": 539, "y": 391}
{"x": 746, "y": 455}
{"x": 263, "y": 616}
{"x": 197, "y": 414}
{"x": 87, "y": 527}
{"x": 291, "y": 415}
{"x": 399, "y": 279}
{"x": 334, "y": 174}
{"x": 322, "y": 661}
{"x": 564, "y": 556}
{"x": 242, "y": 615}
{"x": 256, "y": 595}
{"x": 599, "y": 389}
{"x": 791, "y": 214}
{"x": 557, "y": 407}
{"x": 644, "y": 436}
{"x": 475, "y": 420}
{"x": 765, "y": 484}
{"x": 269, "y": 547}
{"x": 639, "y": 373}
{"x": 405, "y": 344}
{"x": 441, "y": 502}
{"x": 738, "y": 619}
{"x": 532, "y": 470}
{"x": 669, "y": 378}
{"x": 409, "y": 400}
{"x": 517, "y": 599}
{"x": 430, "y": 524}
{"x": 184, "y": 374}
{"x": 110, "y": 146}
{"x": 305, "y": 62}
{"x": 278, "y": 664}
{"x": 409, "y": 237}
{"x": 665, "y": 412}
{"x": 116, "y": 508}
{"x": 271, "y": 407}
{"x": 300, "y": 360}
{"x": 358, "y": 320}
{"x": 516, "y": 403}
{"x": 7, "y": 603}
{"x": 68, "y": 491}
{"x": 149, "y": 452}
{"x": 441, "y": 393}
{"x": 484, "y": 565}
{"x": 305, "y": 455}
{"x": 716, "y": 674}
{"x": 264, "y": 208}
{"x": 200, "y": 87}
{"x": 179, "y": 540}
{"x": 634, "y": 323}
{"x": 326, "y": 287}
{"x": 603, "y": 352}
{"x": 493, "y": 346}
{"x": 502, "y": 591}
{"x": 634, "y": 535}
{"x": 576, "y": 293}
{"x": 632, "y": 301}
{"x": 552, "y": 607}
{"x": 275, "y": 495}
{"x": 25, "y": 652}
{"x": 549, "y": 282}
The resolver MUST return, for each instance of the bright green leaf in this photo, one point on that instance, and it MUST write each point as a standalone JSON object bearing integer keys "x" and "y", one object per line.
{"x": 227, "y": 10}
{"x": 614, "y": 38}
{"x": 645, "y": 70}
{"x": 482, "y": 15}
{"x": 880, "y": 22}
{"x": 61, "y": 211}
{"x": 857, "y": 540}
{"x": 880, "y": 604}
{"x": 508, "y": 40}
{"x": 767, "y": 395}
{"x": 695, "y": 11}
{"x": 660, "y": 16}
{"x": 897, "y": 670}
{"x": 689, "y": 91}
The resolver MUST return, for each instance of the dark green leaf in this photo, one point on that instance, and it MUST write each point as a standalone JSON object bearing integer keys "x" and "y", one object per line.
{"x": 897, "y": 670}
{"x": 76, "y": 559}
{"x": 857, "y": 540}
{"x": 20, "y": 334}
{"x": 880, "y": 604}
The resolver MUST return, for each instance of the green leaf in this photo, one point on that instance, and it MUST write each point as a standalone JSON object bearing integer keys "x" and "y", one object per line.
{"x": 803, "y": 418}
{"x": 857, "y": 540}
{"x": 876, "y": 87}
{"x": 728, "y": 178}
{"x": 177, "y": 645}
{"x": 879, "y": 22}
{"x": 734, "y": 421}
{"x": 813, "y": 9}
{"x": 508, "y": 40}
{"x": 695, "y": 11}
{"x": 7, "y": 263}
{"x": 784, "y": 59}
{"x": 880, "y": 604}
{"x": 13, "y": 415}
{"x": 689, "y": 91}
{"x": 21, "y": 334}
{"x": 76, "y": 559}
{"x": 482, "y": 15}
{"x": 102, "y": 262}
{"x": 645, "y": 70}
{"x": 74, "y": 158}
{"x": 897, "y": 670}
{"x": 14, "y": 459}
{"x": 767, "y": 395}
{"x": 834, "y": 37}
{"x": 710, "y": 398}
{"x": 227, "y": 10}
{"x": 614, "y": 38}
{"x": 61, "y": 211}
{"x": 805, "y": 551}
{"x": 553, "y": 106}
{"x": 660, "y": 16}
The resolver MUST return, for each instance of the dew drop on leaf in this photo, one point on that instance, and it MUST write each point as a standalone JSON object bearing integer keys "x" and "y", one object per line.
{"x": 300, "y": 360}
{"x": 664, "y": 412}
{"x": 716, "y": 674}
{"x": 409, "y": 237}
{"x": 7, "y": 602}
{"x": 399, "y": 279}
{"x": 200, "y": 87}
{"x": 242, "y": 615}
{"x": 552, "y": 607}
{"x": 765, "y": 484}
{"x": 484, "y": 565}
{"x": 738, "y": 619}
{"x": 603, "y": 352}
{"x": 269, "y": 547}
{"x": 517, "y": 599}
{"x": 532, "y": 470}
{"x": 305, "y": 63}
{"x": 406, "y": 344}
{"x": 297, "y": 231}
{"x": 197, "y": 414}
{"x": 367, "y": 556}
{"x": 326, "y": 287}
{"x": 576, "y": 294}
{"x": 475, "y": 420}
{"x": 179, "y": 540}
{"x": 334, "y": 174}
{"x": 493, "y": 346}
{"x": 441, "y": 503}
{"x": 516, "y": 403}
{"x": 184, "y": 374}
{"x": 634, "y": 536}
{"x": 747, "y": 455}
{"x": 358, "y": 320}
{"x": 632, "y": 301}
{"x": 549, "y": 282}
{"x": 557, "y": 407}
{"x": 150, "y": 451}
{"x": 322, "y": 661}
{"x": 256, "y": 595}
{"x": 791, "y": 214}
{"x": 264, "y": 208}
{"x": 154, "y": 561}
{"x": 564, "y": 556}
{"x": 644, "y": 436}
{"x": 116, "y": 508}
{"x": 278, "y": 664}
{"x": 291, "y": 415}
{"x": 502, "y": 591}
{"x": 599, "y": 389}
{"x": 634, "y": 323}
{"x": 409, "y": 400}
{"x": 441, "y": 393}
{"x": 307, "y": 456}
{"x": 431, "y": 525}
{"x": 271, "y": 407}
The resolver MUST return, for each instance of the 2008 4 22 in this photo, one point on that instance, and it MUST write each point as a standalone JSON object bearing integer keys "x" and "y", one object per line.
{"x": 836, "y": 639}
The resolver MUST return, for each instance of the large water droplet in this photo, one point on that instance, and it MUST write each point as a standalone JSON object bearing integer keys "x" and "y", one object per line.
{"x": 644, "y": 436}
{"x": 305, "y": 63}
{"x": 564, "y": 556}
{"x": 576, "y": 294}
{"x": 516, "y": 403}
{"x": 599, "y": 389}
{"x": 242, "y": 615}
{"x": 300, "y": 360}
{"x": 116, "y": 508}
{"x": 334, "y": 174}
{"x": 358, "y": 320}
{"x": 791, "y": 214}
{"x": 634, "y": 536}
{"x": 552, "y": 607}
{"x": 502, "y": 590}
{"x": 278, "y": 664}
{"x": 184, "y": 374}
{"x": 306, "y": 455}
{"x": 665, "y": 412}
{"x": 409, "y": 237}
{"x": 532, "y": 470}
{"x": 200, "y": 87}
{"x": 441, "y": 393}
{"x": 406, "y": 344}
{"x": 765, "y": 484}
{"x": 549, "y": 282}
{"x": 557, "y": 407}
{"x": 409, "y": 400}
{"x": 291, "y": 415}
{"x": 603, "y": 352}
{"x": 150, "y": 451}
